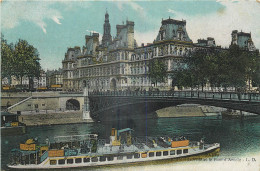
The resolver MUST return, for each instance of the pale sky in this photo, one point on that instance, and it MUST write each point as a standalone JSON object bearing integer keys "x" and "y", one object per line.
{"x": 52, "y": 26}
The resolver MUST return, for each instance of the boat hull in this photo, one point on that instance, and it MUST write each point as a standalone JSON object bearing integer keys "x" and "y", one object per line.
{"x": 213, "y": 151}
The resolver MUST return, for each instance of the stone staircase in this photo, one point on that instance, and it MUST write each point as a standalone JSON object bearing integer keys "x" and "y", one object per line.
{"x": 16, "y": 104}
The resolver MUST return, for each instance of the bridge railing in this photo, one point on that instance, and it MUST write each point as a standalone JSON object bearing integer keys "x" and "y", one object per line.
{"x": 183, "y": 94}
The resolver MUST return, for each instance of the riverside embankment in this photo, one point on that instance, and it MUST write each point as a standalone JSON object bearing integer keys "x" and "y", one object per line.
{"x": 37, "y": 119}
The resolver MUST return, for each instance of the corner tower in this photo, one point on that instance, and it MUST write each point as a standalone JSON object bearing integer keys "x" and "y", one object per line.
{"x": 107, "y": 38}
{"x": 173, "y": 30}
{"x": 243, "y": 40}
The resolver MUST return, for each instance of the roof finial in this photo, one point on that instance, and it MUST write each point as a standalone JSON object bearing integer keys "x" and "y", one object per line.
{"x": 169, "y": 17}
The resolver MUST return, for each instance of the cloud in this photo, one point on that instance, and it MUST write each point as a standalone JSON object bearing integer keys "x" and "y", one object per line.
{"x": 146, "y": 37}
{"x": 135, "y": 6}
{"x": 15, "y": 12}
{"x": 56, "y": 19}
{"x": 219, "y": 24}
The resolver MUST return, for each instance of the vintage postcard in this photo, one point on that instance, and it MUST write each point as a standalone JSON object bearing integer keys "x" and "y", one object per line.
{"x": 130, "y": 85}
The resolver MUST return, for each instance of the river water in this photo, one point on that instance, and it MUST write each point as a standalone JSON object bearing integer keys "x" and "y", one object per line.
{"x": 239, "y": 139}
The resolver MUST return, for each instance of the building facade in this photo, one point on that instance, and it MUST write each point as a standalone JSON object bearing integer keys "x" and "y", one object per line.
{"x": 37, "y": 82}
{"x": 243, "y": 40}
{"x": 120, "y": 64}
{"x": 54, "y": 79}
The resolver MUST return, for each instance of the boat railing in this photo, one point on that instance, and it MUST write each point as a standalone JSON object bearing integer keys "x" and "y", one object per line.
{"x": 75, "y": 138}
{"x": 44, "y": 156}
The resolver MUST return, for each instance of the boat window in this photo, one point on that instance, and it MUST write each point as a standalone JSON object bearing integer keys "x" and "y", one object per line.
{"x": 144, "y": 155}
{"x": 110, "y": 158}
{"x": 165, "y": 153}
{"x": 94, "y": 159}
{"x": 61, "y": 161}
{"x": 86, "y": 160}
{"x": 179, "y": 151}
{"x": 151, "y": 154}
{"x": 159, "y": 153}
{"x": 185, "y": 151}
{"x": 102, "y": 158}
{"x": 129, "y": 156}
{"x": 53, "y": 162}
{"x": 172, "y": 152}
{"x": 120, "y": 157}
{"x": 78, "y": 160}
{"x": 69, "y": 161}
{"x": 136, "y": 155}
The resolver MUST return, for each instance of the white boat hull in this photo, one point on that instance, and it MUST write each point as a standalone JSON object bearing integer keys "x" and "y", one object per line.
{"x": 193, "y": 151}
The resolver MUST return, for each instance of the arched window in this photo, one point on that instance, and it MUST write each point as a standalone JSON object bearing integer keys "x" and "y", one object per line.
{"x": 173, "y": 32}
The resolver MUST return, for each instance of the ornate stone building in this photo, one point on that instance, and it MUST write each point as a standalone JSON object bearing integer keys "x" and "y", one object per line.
{"x": 243, "y": 40}
{"x": 120, "y": 64}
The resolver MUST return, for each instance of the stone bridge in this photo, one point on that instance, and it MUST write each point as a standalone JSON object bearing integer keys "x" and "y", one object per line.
{"x": 122, "y": 105}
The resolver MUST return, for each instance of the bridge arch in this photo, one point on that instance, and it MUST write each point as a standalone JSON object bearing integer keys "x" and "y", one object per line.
{"x": 72, "y": 104}
{"x": 107, "y": 103}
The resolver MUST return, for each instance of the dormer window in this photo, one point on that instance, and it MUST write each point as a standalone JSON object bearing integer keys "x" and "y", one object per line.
{"x": 179, "y": 35}
{"x": 162, "y": 35}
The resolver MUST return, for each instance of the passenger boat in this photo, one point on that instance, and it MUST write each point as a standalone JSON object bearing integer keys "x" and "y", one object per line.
{"x": 88, "y": 150}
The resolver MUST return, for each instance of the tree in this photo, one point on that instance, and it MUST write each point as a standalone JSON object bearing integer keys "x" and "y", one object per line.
{"x": 7, "y": 59}
{"x": 26, "y": 60}
{"x": 237, "y": 67}
{"x": 184, "y": 78}
{"x": 200, "y": 66}
{"x": 157, "y": 71}
{"x": 253, "y": 68}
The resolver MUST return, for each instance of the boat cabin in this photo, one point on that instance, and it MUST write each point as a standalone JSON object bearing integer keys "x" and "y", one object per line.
{"x": 9, "y": 119}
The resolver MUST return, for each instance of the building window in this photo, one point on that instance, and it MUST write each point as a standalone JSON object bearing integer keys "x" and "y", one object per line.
{"x": 29, "y": 105}
{"x": 43, "y": 104}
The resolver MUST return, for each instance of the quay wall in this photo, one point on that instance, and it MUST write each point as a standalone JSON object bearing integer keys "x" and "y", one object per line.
{"x": 19, "y": 101}
{"x": 38, "y": 119}
{"x": 38, "y": 104}
{"x": 180, "y": 111}
{"x": 11, "y": 98}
